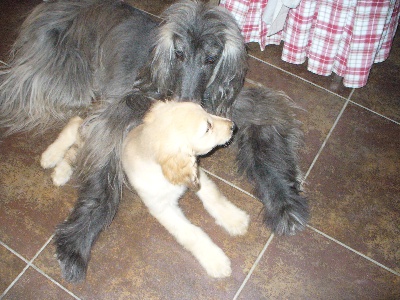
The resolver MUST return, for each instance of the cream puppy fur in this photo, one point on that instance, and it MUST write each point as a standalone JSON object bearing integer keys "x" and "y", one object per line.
{"x": 61, "y": 154}
{"x": 160, "y": 161}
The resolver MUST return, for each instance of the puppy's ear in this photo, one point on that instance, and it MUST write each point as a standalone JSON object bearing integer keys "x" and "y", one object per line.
{"x": 181, "y": 169}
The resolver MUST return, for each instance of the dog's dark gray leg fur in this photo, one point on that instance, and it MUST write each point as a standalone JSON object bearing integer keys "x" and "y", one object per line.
{"x": 101, "y": 179}
{"x": 267, "y": 139}
{"x": 95, "y": 208}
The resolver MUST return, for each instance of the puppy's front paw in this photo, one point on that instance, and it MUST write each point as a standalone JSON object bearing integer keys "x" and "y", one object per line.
{"x": 216, "y": 263}
{"x": 51, "y": 157}
{"x": 234, "y": 220}
{"x": 62, "y": 173}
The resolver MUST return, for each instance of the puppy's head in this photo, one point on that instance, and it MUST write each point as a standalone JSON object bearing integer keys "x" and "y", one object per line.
{"x": 180, "y": 132}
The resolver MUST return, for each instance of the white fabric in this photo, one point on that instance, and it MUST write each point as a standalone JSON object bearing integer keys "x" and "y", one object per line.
{"x": 275, "y": 14}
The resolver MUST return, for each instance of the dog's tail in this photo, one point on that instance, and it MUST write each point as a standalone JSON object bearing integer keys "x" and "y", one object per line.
{"x": 47, "y": 75}
{"x": 101, "y": 179}
{"x": 268, "y": 139}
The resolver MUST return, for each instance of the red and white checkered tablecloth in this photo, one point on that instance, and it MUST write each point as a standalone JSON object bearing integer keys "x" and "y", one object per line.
{"x": 344, "y": 36}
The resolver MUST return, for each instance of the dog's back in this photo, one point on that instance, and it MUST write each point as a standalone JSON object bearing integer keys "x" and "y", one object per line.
{"x": 58, "y": 63}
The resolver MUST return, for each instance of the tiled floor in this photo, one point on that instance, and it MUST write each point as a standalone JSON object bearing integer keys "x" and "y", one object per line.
{"x": 351, "y": 249}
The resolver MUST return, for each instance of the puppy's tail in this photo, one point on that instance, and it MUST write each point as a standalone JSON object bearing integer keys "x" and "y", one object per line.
{"x": 267, "y": 139}
{"x": 101, "y": 179}
{"x": 47, "y": 75}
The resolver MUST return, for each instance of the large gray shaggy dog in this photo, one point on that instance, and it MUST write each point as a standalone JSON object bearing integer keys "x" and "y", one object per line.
{"x": 71, "y": 53}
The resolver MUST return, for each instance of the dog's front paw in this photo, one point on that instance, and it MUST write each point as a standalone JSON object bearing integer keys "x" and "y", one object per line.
{"x": 73, "y": 267}
{"x": 289, "y": 218}
{"x": 62, "y": 173}
{"x": 70, "y": 249}
{"x": 51, "y": 157}
{"x": 216, "y": 263}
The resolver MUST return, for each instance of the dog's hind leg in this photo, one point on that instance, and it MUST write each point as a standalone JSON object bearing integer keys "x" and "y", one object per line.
{"x": 234, "y": 220}
{"x": 49, "y": 76}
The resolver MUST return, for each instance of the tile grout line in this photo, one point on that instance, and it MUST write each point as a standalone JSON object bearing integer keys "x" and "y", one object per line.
{"x": 14, "y": 252}
{"x": 259, "y": 84}
{"x": 328, "y": 136}
{"x": 230, "y": 184}
{"x": 318, "y": 86}
{"x": 297, "y": 76}
{"x": 20, "y": 274}
{"x": 55, "y": 282}
{"x": 374, "y": 112}
{"x": 353, "y": 250}
{"x": 30, "y": 264}
{"x": 48, "y": 276}
{"x": 253, "y": 267}
{"x": 14, "y": 281}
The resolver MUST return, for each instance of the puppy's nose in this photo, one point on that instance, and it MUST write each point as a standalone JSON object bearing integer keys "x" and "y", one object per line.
{"x": 233, "y": 126}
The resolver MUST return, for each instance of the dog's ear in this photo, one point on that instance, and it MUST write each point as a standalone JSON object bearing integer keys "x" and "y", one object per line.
{"x": 163, "y": 52}
{"x": 180, "y": 169}
{"x": 229, "y": 73}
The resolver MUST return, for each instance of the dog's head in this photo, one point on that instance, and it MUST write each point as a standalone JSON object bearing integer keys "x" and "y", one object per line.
{"x": 199, "y": 55}
{"x": 179, "y": 132}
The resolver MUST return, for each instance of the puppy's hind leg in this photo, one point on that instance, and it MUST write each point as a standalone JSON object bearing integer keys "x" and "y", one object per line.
{"x": 56, "y": 151}
{"x": 64, "y": 169}
{"x": 234, "y": 220}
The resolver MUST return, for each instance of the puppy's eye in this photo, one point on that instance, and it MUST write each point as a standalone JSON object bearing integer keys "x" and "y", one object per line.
{"x": 179, "y": 55}
{"x": 210, "y": 59}
{"x": 209, "y": 126}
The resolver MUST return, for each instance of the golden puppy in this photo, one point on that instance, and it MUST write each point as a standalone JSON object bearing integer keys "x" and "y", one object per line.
{"x": 160, "y": 161}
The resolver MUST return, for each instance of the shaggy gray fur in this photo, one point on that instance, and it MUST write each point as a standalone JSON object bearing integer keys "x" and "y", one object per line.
{"x": 70, "y": 53}
{"x": 67, "y": 54}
